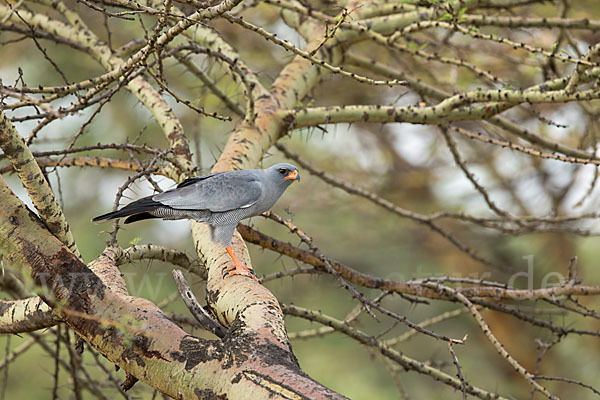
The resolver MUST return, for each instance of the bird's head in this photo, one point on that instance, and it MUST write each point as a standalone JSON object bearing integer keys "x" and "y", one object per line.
{"x": 284, "y": 173}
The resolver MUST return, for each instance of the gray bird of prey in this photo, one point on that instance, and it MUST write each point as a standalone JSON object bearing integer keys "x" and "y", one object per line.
{"x": 222, "y": 200}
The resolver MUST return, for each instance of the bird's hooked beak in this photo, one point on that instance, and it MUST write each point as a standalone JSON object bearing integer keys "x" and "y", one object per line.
{"x": 293, "y": 175}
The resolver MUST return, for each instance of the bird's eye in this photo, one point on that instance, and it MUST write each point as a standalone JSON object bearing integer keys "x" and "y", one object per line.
{"x": 282, "y": 171}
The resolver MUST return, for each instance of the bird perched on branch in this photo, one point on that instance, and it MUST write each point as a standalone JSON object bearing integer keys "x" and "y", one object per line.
{"x": 222, "y": 200}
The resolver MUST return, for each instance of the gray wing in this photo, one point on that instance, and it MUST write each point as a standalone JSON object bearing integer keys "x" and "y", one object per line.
{"x": 217, "y": 192}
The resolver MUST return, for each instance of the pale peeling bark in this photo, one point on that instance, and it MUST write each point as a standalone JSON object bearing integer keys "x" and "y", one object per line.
{"x": 35, "y": 183}
{"x": 137, "y": 336}
{"x": 25, "y": 315}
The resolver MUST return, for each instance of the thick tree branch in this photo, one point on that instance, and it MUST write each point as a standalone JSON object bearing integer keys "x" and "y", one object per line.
{"x": 457, "y": 108}
{"x": 25, "y": 315}
{"x": 134, "y": 334}
{"x": 34, "y": 181}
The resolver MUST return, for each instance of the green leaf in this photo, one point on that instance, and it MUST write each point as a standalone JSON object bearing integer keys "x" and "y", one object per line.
{"x": 416, "y": 46}
{"x": 564, "y": 52}
{"x": 507, "y": 87}
{"x": 445, "y": 17}
{"x": 460, "y": 14}
{"x": 134, "y": 241}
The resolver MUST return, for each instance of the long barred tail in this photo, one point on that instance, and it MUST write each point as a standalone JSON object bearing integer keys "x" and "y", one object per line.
{"x": 136, "y": 211}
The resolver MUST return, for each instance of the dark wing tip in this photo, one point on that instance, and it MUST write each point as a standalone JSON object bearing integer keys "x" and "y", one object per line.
{"x": 141, "y": 207}
{"x": 139, "y": 217}
{"x": 103, "y": 217}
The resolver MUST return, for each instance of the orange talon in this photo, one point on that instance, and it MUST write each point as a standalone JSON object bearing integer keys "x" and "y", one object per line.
{"x": 237, "y": 268}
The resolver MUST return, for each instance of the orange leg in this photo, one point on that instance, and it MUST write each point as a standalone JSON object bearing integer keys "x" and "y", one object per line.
{"x": 237, "y": 268}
